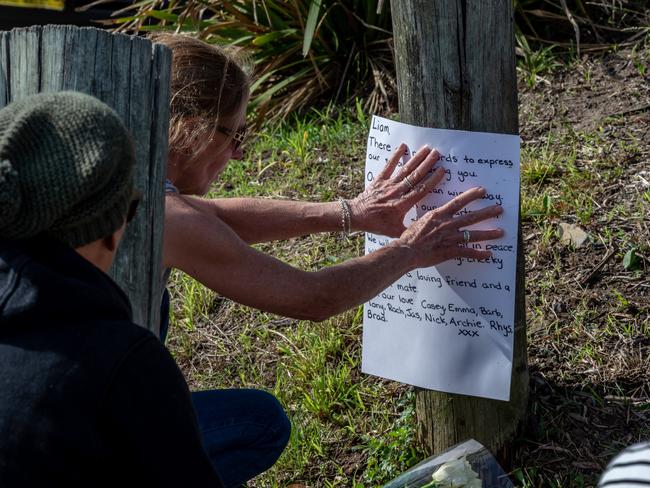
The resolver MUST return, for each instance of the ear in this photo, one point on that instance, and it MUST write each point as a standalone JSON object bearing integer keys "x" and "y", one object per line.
{"x": 111, "y": 242}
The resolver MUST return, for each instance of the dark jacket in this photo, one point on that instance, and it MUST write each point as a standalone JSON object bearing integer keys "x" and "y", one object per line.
{"x": 87, "y": 398}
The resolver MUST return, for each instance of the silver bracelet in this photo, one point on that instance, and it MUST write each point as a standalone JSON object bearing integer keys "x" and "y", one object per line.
{"x": 346, "y": 216}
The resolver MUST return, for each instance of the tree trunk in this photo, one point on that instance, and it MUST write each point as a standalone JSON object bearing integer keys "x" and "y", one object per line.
{"x": 455, "y": 62}
{"x": 132, "y": 76}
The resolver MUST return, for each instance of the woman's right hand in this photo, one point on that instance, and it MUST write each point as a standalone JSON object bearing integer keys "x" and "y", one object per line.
{"x": 438, "y": 235}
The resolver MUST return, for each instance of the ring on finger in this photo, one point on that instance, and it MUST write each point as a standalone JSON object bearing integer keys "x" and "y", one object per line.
{"x": 466, "y": 236}
{"x": 409, "y": 183}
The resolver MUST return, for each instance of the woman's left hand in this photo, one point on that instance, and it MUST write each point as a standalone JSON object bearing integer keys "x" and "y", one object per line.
{"x": 381, "y": 207}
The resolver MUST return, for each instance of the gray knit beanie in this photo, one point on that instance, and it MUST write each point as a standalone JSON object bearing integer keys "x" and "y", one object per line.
{"x": 66, "y": 168}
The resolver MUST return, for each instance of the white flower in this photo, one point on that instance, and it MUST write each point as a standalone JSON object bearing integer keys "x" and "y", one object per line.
{"x": 456, "y": 474}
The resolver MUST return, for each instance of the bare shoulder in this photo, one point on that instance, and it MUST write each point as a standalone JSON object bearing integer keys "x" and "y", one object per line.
{"x": 182, "y": 206}
{"x": 194, "y": 233}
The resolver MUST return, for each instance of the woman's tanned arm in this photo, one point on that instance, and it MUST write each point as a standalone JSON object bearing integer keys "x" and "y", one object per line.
{"x": 222, "y": 261}
{"x": 380, "y": 208}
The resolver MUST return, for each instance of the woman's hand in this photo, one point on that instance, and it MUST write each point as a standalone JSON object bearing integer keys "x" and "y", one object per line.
{"x": 382, "y": 206}
{"x": 438, "y": 236}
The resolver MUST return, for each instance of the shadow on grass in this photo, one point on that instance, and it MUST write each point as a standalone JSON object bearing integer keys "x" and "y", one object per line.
{"x": 573, "y": 431}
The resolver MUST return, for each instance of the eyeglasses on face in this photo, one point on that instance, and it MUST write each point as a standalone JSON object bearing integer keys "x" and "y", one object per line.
{"x": 237, "y": 135}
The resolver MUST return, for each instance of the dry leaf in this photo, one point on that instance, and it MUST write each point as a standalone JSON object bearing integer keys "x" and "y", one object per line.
{"x": 572, "y": 234}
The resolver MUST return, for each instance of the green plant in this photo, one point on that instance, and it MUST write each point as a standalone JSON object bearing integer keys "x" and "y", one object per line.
{"x": 313, "y": 52}
{"x": 532, "y": 63}
{"x": 395, "y": 451}
{"x": 299, "y": 141}
{"x": 197, "y": 305}
{"x": 631, "y": 260}
{"x": 640, "y": 66}
{"x": 537, "y": 206}
{"x": 622, "y": 301}
{"x": 525, "y": 477}
{"x": 304, "y": 51}
{"x": 538, "y": 169}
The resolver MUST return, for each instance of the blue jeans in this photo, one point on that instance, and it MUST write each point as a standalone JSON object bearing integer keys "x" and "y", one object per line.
{"x": 244, "y": 431}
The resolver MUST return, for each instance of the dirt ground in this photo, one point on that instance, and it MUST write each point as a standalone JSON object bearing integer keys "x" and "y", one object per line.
{"x": 588, "y": 316}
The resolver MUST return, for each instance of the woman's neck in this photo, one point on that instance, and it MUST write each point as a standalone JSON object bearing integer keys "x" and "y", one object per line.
{"x": 173, "y": 167}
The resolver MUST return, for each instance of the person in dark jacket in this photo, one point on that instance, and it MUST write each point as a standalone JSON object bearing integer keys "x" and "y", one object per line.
{"x": 87, "y": 398}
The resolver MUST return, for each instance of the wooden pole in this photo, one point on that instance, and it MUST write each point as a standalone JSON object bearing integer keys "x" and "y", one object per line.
{"x": 132, "y": 76}
{"x": 455, "y": 62}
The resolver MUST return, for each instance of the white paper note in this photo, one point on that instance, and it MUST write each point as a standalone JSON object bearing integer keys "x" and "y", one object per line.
{"x": 449, "y": 327}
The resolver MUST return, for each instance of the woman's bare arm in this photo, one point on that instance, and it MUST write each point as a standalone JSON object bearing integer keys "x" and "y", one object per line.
{"x": 263, "y": 220}
{"x": 203, "y": 246}
{"x": 380, "y": 208}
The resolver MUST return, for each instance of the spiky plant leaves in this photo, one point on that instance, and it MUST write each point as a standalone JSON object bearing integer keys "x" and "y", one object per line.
{"x": 311, "y": 52}
{"x": 305, "y": 51}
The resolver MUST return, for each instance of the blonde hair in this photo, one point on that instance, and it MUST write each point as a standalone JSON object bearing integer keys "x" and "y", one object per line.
{"x": 208, "y": 82}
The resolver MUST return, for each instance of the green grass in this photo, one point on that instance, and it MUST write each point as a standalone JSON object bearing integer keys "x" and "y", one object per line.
{"x": 353, "y": 430}
{"x": 348, "y": 429}
{"x": 533, "y": 64}
{"x": 586, "y": 339}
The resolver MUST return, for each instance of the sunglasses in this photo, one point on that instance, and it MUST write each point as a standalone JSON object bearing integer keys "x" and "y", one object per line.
{"x": 238, "y": 135}
{"x": 133, "y": 206}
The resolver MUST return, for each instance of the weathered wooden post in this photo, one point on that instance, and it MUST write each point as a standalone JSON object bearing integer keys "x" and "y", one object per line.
{"x": 132, "y": 76}
{"x": 455, "y": 62}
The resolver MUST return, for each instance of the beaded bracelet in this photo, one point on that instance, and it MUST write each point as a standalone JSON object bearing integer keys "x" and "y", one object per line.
{"x": 346, "y": 216}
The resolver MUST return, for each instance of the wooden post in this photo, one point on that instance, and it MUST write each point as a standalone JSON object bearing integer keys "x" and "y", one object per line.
{"x": 132, "y": 76}
{"x": 455, "y": 62}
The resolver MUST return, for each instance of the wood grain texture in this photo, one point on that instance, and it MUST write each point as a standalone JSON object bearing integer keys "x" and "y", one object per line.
{"x": 132, "y": 76}
{"x": 455, "y": 62}
{"x": 4, "y": 68}
{"x": 160, "y": 93}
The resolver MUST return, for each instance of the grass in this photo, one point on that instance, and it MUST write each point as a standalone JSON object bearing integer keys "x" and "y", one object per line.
{"x": 534, "y": 64}
{"x": 588, "y": 349}
{"x": 313, "y": 369}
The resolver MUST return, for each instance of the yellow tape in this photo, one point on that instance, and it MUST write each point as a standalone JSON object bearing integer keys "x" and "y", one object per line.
{"x": 47, "y": 4}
